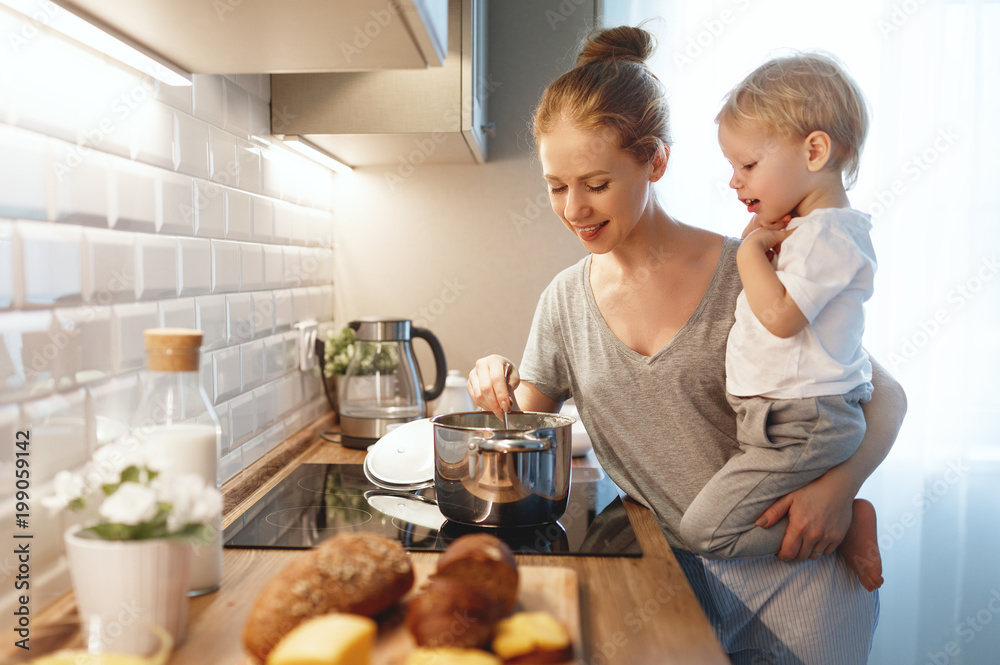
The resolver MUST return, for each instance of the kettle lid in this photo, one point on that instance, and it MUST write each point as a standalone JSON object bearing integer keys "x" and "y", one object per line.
{"x": 381, "y": 329}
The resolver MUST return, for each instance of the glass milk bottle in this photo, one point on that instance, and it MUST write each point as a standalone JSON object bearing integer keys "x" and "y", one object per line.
{"x": 179, "y": 427}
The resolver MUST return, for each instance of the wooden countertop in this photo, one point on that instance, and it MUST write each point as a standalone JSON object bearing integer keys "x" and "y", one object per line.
{"x": 632, "y": 610}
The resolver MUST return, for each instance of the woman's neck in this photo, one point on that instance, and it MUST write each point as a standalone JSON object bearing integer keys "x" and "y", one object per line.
{"x": 654, "y": 238}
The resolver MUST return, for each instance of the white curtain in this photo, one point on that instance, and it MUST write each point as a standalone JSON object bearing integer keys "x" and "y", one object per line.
{"x": 930, "y": 177}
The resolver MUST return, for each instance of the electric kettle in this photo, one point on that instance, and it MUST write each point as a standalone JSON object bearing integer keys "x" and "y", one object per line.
{"x": 383, "y": 387}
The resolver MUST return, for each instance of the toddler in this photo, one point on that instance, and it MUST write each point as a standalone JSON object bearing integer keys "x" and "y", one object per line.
{"x": 796, "y": 372}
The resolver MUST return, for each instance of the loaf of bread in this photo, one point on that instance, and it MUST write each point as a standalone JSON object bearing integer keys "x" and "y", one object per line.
{"x": 486, "y": 562}
{"x": 353, "y": 573}
{"x": 532, "y": 638}
{"x": 451, "y": 613}
{"x": 451, "y": 656}
{"x": 327, "y": 639}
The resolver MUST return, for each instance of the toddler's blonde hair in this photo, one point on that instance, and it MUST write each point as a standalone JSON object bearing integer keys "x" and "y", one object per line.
{"x": 793, "y": 96}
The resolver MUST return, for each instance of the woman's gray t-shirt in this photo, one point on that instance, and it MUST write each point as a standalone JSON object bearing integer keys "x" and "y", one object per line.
{"x": 660, "y": 425}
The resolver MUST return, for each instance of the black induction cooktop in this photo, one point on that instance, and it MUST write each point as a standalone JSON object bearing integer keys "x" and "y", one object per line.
{"x": 317, "y": 501}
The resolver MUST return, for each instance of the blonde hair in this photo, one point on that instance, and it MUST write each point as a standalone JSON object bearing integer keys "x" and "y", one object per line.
{"x": 795, "y": 95}
{"x": 611, "y": 87}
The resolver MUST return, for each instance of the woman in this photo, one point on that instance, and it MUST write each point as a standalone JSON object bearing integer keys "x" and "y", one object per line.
{"x": 636, "y": 333}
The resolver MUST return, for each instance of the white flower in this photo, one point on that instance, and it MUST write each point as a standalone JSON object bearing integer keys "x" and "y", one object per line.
{"x": 68, "y": 487}
{"x": 131, "y": 504}
{"x": 192, "y": 501}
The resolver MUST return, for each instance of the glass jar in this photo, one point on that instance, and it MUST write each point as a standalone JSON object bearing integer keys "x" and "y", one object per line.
{"x": 178, "y": 426}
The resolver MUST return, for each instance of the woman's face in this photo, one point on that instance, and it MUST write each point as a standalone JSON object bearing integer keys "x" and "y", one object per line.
{"x": 598, "y": 191}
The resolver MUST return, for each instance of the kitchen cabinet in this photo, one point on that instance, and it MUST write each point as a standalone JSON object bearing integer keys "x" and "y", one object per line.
{"x": 397, "y": 118}
{"x": 263, "y": 36}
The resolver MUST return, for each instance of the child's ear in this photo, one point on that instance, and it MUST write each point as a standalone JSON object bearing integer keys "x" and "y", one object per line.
{"x": 818, "y": 148}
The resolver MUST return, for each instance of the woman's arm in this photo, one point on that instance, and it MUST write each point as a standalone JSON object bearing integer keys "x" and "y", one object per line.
{"x": 488, "y": 389}
{"x": 820, "y": 512}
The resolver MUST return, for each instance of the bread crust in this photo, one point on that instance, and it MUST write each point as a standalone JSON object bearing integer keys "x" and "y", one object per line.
{"x": 485, "y": 562}
{"x": 356, "y": 573}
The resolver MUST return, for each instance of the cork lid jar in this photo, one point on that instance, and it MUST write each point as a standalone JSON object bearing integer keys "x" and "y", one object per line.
{"x": 173, "y": 349}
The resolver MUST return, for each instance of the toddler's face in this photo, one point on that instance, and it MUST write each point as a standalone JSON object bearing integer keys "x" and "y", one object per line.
{"x": 770, "y": 174}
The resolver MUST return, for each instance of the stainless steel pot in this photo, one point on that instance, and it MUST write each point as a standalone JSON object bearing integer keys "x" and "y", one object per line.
{"x": 490, "y": 476}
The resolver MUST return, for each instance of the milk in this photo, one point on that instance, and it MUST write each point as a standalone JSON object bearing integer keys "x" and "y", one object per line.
{"x": 192, "y": 448}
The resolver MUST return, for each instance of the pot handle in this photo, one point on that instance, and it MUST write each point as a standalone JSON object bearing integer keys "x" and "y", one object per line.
{"x": 441, "y": 366}
{"x": 526, "y": 445}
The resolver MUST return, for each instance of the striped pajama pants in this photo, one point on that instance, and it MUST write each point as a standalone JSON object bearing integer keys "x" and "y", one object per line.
{"x": 771, "y": 612}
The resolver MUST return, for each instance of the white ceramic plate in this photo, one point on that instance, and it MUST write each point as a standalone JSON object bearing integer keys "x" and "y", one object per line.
{"x": 404, "y": 456}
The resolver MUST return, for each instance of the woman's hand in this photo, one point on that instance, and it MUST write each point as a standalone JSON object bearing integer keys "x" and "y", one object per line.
{"x": 818, "y": 516}
{"x": 488, "y": 387}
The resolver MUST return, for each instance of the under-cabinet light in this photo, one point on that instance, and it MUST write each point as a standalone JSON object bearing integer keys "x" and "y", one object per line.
{"x": 99, "y": 38}
{"x": 303, "y": 147}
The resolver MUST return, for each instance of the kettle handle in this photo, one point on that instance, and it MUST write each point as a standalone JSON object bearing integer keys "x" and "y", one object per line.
{"x": 439, "y": 362}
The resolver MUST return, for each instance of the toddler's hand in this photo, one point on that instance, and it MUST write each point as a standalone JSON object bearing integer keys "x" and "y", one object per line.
{"x": 757, "y": 223}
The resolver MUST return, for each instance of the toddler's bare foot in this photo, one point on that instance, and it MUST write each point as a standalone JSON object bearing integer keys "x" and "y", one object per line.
{"x": 860, "y": 546}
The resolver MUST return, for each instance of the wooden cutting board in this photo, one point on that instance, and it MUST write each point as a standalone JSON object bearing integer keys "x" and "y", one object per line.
{"x": 549, "y": 588}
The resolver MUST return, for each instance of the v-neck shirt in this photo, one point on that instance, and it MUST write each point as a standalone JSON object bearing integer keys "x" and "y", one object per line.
{"x": 660, "y": 425}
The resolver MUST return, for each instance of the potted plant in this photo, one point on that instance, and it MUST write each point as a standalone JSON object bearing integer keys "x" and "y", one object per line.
{"x": 133, "y": 552}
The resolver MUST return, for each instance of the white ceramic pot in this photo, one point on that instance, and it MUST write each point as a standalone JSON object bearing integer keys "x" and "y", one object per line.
{"x": 130, "y": 581}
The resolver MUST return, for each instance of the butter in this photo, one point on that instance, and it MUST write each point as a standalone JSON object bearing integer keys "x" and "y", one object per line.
{"x": 328, "y": 639}
{"x": 451, "y": 656}
{"x": 529, "y": 632}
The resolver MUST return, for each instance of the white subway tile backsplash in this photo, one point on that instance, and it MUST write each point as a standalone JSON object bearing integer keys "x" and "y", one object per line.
{"x": 190, "y": 149}
{"x": 326, "y": 297}
{"x": 40, "y": 246}
{"x": 24, "y": 369}
{"x": 239, "y": 220}
{"x": 274, "y": 354}
{"x": 225, "y": 266}
{"x": 178, "y": 313}
{"x": 135, "y": 204}
{"x": 129, "y": 322}
{"x": 152, "y": 125}
{"x": 242, "y": 419}
{"x": 195, "y": 266}
{"x": 222, "y": 164}
{"x": 83, "y": 345}
{"x": 263, "y": 313}
{"x": 208, "y": 102}
{"x": 166, "y": 202}
{"x": 248, "y": 158}
{"x": 239, "y": 317}
{"x": 22, "y": 172}
{"x": 227, "y": 370}
{"x": 231, "y": 464}
{"x": 274, "y": 266}
{"x": 113, "y": 404}
{"x": 212, "y": 321}
{"x": 301, "y": 305}
{"x": 177, "y": 214}
{"x": 284, "y": 221}
{"x": 284, "y": 315}
{"x": 251, "y": 267}
{"x": 59, "y": 427}
{"x": 6, "y": 264}
{"x": 110, "y": 266}
{"x": 237, "y": 107}
{"x": 210, "y": 206}
{"x": 252, "y": 360}
{"x": 179, "y": 97}
{"x": 254, "y": 449}
{"x": 157, "y": 269}
{"x": 265, "y": 398}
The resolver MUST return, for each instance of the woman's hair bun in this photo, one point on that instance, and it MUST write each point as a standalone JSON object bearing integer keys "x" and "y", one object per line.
{"x": 620, "y": 43}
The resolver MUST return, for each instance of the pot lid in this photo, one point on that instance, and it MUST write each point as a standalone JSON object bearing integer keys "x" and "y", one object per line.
{"x": 405, "y": 455}
{"x": 408, "y": 508}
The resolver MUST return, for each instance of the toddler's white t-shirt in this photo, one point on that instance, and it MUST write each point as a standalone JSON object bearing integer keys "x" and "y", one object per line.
{"x": 828, "y": 268}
